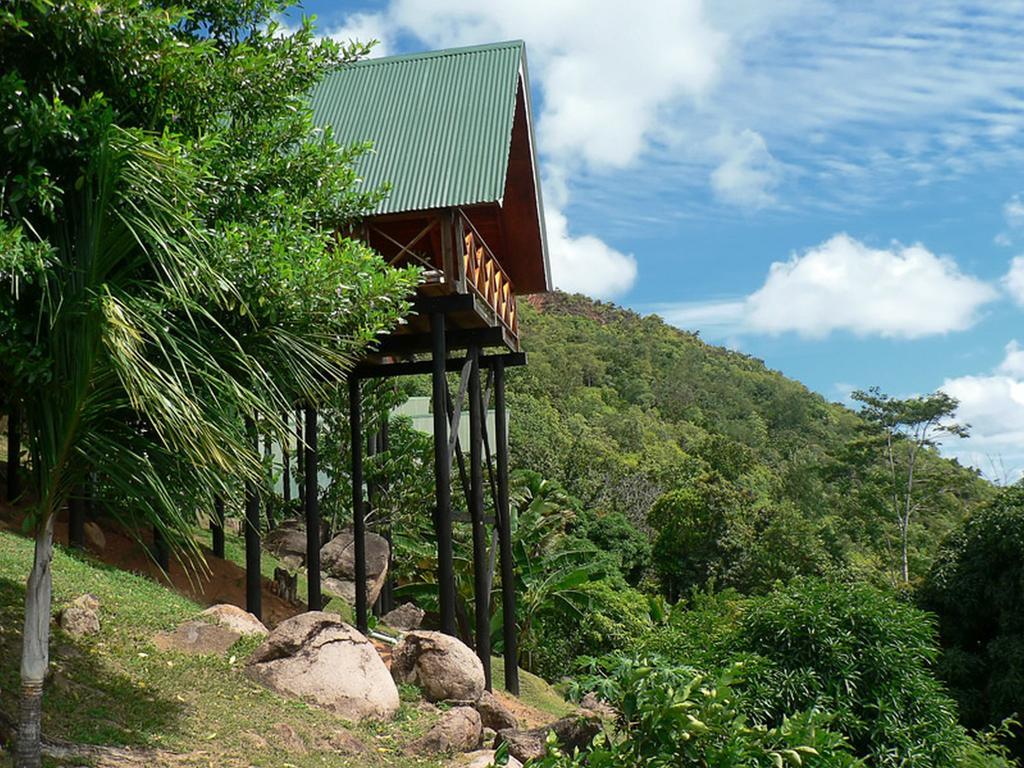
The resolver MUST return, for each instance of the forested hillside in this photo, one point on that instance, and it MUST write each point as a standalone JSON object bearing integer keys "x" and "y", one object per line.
{"x": 621, "y": 409}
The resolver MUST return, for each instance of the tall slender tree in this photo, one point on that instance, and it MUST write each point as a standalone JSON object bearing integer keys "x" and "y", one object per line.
{"x": 908, "y": 428}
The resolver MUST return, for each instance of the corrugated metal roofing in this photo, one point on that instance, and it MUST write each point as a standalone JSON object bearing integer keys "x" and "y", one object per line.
{"x": 440, "y": 122}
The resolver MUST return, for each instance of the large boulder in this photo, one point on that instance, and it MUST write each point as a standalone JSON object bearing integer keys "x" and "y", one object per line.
{"x": 338, "y": 565}
{"x": 458, "y": 730}
{"x": 318, "y": 658}
{"x": 287, "y": 542}
{"x": 444, "y": 667}
{"x": 233, "y": 617}
{"x": 494, "y": 714}
{"x": 198, "y": 638}
{"x": 405, "y": 617}
{"x": 82, "y": 616}
{"x": 570, "y": 733}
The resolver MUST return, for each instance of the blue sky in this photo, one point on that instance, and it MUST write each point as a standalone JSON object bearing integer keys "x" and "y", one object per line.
{"x": 831, "y": 187}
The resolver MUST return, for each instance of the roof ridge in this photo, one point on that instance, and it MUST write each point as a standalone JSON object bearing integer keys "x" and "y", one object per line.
{"x": 437, "y": 54}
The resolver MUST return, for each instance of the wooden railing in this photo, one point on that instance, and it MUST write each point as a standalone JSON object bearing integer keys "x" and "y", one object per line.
{"x": 485, "y": 276}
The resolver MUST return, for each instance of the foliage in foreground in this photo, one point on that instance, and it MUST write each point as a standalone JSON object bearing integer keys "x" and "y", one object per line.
{"x": 860, "y": 655}
{"x": 670, "y": 715}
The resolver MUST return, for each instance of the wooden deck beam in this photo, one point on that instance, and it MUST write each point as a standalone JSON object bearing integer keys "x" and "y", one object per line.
{"x": 421, "y": 367}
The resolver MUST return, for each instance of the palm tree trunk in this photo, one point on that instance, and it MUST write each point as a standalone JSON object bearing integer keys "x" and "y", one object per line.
{"x": 35, "y": 653}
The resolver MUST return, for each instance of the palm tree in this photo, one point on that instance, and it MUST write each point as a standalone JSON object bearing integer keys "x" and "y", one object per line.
{"x": 117, "y": 285}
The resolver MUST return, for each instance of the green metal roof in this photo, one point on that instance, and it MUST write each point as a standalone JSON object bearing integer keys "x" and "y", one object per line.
{"x": 440, "y": 122}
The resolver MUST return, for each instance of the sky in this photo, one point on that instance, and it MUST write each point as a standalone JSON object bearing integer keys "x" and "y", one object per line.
{"x": 834, "y": 188}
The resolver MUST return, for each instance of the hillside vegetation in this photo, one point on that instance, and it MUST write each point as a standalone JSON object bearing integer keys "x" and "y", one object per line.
{"x": 620, "y": 409}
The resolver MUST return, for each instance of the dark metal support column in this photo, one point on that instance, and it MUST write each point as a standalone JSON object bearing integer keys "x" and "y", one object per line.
{"x": 504, "y": 521}
{"x": 481, "y": 596}
{"x": 387, "y": 594}
{"x": 13, "y": 451}
{"x": 286, "y": 463}
{"x": 76, "y": 520}
{"x": 314, "y": 599}
{"x": 253, "y": 580}
{"x": 442, "y": 477}
{"x": 355, "y": 414}
{"x": 217, "y": 527}
{"x": 299, "y": 461}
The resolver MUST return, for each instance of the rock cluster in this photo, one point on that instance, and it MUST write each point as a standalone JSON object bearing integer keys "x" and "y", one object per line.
{"x": 287, "y": 542}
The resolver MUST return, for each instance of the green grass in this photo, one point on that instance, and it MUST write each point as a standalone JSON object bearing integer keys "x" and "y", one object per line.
{"x": 533, "y": 691}
{"x": 116, "y": 688}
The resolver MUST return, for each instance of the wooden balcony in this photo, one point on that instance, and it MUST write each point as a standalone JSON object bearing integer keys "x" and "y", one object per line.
{"x": 483, "y": 274}
{"x": 454, "y": 249}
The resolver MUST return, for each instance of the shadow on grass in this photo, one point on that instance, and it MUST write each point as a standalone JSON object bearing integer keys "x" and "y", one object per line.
{"x": 86, "y": 699}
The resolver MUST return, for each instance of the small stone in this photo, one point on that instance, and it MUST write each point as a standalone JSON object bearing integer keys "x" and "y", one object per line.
{"x": 405, "y": 617}
{"x": 197, "y": 637}
{"x": 458, "y": 730}
{"x": 488, "y": 735}
{"x": 82, "y": 616}
{"x": 494, "y": 714}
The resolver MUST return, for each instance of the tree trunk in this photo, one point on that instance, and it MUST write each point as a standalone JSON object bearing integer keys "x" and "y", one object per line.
{"x": 35, "y": 653}
{"x": 904, "y": 535}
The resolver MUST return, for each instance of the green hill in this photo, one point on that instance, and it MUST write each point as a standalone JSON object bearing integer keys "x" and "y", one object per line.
{"x": 619, "y": 408}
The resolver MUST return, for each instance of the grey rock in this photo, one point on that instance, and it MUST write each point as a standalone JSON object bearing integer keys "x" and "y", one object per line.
{"x": 458, "y": 730}
{"x": 318, "y": 658}
{"x": 494, "y": 714}
{"x": 405, "y": 617}
{"x": 338, "y": 565}
{"x": 234, "y": 618}
{"x": 287, "y": 542}
{"x": 82, "y": 616}
{"x": 570, "y": 732}
{"x": 602, "y": 709}
{"x": 444, "y": 667}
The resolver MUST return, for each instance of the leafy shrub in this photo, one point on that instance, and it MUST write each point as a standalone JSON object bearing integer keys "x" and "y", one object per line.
{"x": 858, "y": 654}
{"x": 671, "y": 715}
{"x": 614, "y": 617}
{"x": 976, "y": 587}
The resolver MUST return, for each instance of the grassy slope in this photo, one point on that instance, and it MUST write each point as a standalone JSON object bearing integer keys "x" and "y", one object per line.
{"x": 117, "y": 689}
